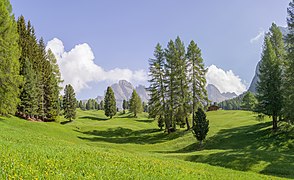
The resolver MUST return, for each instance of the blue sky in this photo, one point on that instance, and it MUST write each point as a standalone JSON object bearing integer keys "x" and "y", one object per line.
{"x": 121, "y": 35}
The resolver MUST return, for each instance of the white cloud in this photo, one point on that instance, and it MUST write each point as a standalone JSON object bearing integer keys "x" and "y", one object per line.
{"x": 259, "y": 36}
{"x": 77, "y": 67}
{"x": 225, "y": 81}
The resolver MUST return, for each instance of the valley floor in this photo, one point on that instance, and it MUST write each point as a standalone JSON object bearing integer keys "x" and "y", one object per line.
{"x": 95, "y": 147}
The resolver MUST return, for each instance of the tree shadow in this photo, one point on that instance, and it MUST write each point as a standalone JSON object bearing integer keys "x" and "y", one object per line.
{"x": 66, "y": 122}
{"x": 145, "y": 120}
{"x": 246, "y": 147}
{"x": 124, "y": 135}
{"x": 94, "y": 118}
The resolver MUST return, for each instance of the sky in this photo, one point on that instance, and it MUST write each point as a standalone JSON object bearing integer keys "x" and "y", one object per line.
{"x": 100, "y": 42}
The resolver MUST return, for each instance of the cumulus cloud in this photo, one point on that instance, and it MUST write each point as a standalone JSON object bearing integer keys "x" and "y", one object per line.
{"x": 225, "y": 81}
{"x": 259, "y": 36}
{"x": 77, "y": 67}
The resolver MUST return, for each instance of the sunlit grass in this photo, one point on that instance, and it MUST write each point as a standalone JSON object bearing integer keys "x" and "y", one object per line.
{"x": 95, "y": 147}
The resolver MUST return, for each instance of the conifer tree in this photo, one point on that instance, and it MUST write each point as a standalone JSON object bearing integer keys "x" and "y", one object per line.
{"x": 157, "y": 101}
{"x": 10, "y": 80}
{"x": 182, "y": 65}
{"x": 125, "y": 105}
{"x": 269, "y": 85}
{"x": 135, "y": 104}
{"x": 197, "y": 80}
{"x": 172, "y": 85}
{"x": 288, "y": 84}
{"x": 109, "y": 103}
{"x": 102, "y": 105}
{"x": 69, "y": 103}
{"x": 81, "y": 105}
{"x": 201, "y": 127}
{"x": 248, "y": 102}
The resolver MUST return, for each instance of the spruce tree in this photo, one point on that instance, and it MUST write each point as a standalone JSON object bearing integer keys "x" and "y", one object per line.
{"x": 69, "y": 103}
{"x": 135, "y": 103}
{"x": 109, "y": 103}
{"x": 201, "y": 127}
{"x": 125, "y": 105}
{"x": 157, "y": 101}
{"x": 288, "y": 83}
{"x": 197, "y": 72}
{"x": 269, "y": 85}
{"x": 81, "y": 105}
{"x": 10, "y": 80}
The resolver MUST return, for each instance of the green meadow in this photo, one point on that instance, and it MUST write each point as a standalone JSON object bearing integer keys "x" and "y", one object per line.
{"x": 95, "y": 147}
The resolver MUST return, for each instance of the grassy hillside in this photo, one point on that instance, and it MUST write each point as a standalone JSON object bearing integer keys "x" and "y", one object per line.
{"x": 238, "y": 147}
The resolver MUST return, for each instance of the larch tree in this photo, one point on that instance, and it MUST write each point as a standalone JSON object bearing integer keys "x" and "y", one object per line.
{"x": 269, "y": 85}
{"x": 10, "y": 79}
{"x": 69, "y": 103}
{"x": 196, "y": 72}
{"x": 288, "y": 83}
{"x": 135, "y": 104}
{"x": 157, "y": 101}
{"x": 109, "y": 103}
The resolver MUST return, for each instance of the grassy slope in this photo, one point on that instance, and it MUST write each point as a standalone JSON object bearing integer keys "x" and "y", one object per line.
{"x": 123, "y": 148}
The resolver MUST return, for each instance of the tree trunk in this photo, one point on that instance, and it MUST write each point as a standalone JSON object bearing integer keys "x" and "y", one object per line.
{"x": 188, "y": 125}
{"x": 275, "y": 123}
{"x": 200, "y": 143}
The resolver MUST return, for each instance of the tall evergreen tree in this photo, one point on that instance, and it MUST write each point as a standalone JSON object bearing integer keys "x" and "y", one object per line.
{"x": 10, "y": 80}
{"x": 183, "y": 110}
{"x": 157, "y": 101}
{"x": 135, "y": 104}
{"x": 69, "y": 102}
{"x": 172, "y": 84}
{"x": 197, "y": 80}
{"x": 288, "y": 84}
{"x": 109, "y": 103}
{"x": 269, "y": 85}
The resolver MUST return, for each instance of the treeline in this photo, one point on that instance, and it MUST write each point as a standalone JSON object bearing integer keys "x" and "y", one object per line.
{"x": 177, "y": 84}
{"x": 29, "y": 75}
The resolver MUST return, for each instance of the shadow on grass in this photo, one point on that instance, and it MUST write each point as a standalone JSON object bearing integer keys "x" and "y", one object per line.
{"x": 94, "y": 118}
{"x": 124, "y": 135}
{"x": 247, "y": 147}
{"x": 145, "y": 120}
{"x": 65, "y": 122}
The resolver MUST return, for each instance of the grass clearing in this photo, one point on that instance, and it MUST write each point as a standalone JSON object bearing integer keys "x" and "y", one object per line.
{"x": 95, "y": 147}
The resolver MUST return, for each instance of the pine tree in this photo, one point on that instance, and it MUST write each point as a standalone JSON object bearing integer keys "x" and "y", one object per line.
{"x": 288, "y": 83}
{"x": 109, "y": 103}
{"x": 10, "y": 80}
{"x": 124, "y": 106}
{"x": 69, "y": 103}
{"x": 102, "y": 105}
{"x": 157, "y": 101}
{"x": 248, "y": 102}
{"x": 81, "y": 105}
{"x": 197, "y": 80}
{"x": 201, "y": 127}
{"x": 135, "y": 104}
{"x": 269, "y": 86}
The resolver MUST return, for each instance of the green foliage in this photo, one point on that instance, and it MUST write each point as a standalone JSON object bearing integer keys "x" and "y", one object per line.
{"x": 288, "y": 83}
{"x": 232, "y": 104}
{"x": 135, "y": 104}
{"x": 124, "y": 106}
{"x": 269, "y": 86}
{"x": 10, "y": 80}
{"x": 201, "y": 126}
{"x": 109, "y": 103}
{"x": 69, "y": 102}
{"x": 249, "y": 101}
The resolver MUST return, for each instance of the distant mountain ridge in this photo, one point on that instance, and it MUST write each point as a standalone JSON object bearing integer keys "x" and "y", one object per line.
{"x": 215, "y": 95}
{"x": 123, "y": 91}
